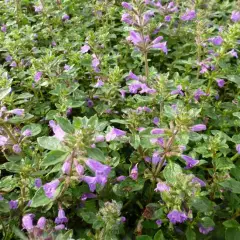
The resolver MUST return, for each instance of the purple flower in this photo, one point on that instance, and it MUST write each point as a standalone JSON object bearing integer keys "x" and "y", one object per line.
{"x": 1, "y": 197}
{"x": 16, "y": 148}
{"x": 147, "y": 16}
{"x": 41, "y": 222}
{"x": 216, "y": 40}
{"x": 61, "y": 218}
{"x": 156, "y": 158}
{"x": 235, "y": 17}
{"x": 54, "y": 44}
{"x": 85, "y": 196}
{"x": 85, "y": 49}
{"x": 90, "y": 103}
{"x": 159, "y": 222}
{"x": 58, "y": 132}
{"x": 162, "y": 46}
{"x": 159, "y": 141}
{"x": 198, "y": 93}
{"x": 132, "y": 76}
{"x": 91, "y": 181}
{"x": 123, "y": 93}
{"x": 127, "y": 18}
{"x": 167, "y": 18}
{"x": 27, "y": 222}
{"x": 27, "y": 133}
{"x": 188, "y": 15}
{"x": 99, "y": 138}
{"x": 198, "y": 128}
{"x": 79, "y": 168}
{"x": 233, "y": 53}
{"x": 67, "y": 67}
{"x": 13, "y": 64}
{"x": 157, "y": 131}
{"x": 178, "y": 91}
{"x": 134, "y": 172}
{"x": 134, "y": 87}
{"x": 3, "y": 140}
{"x": 38, "y": 182}
{"x": 38, "y": 76}
{"x": 98, "y": 167}
{"x": 238, "y": 148}
{"x": 66, "y": 167}
{"x": 114, "y": 133}
{"x": 206, "y": 230}
{"x": 146, "y": 89}
{"x": 99, "y": 84}
{"x": 162, "y": 187}
{"x": 123, "y": 219}
{"x": 220, "y": 83}
{"x": 17, "y": 111}
{"x": 8, "y": 58}
{"x": 120, "y": 178}
{"x": 177, "y": 217}
{"x": 50, "y": 188}
{"x": 59, "y": 227}
{"x": 65, "y": 17}
{"x": 13, "y": 204}
{"x": 95, "y": 63}
{"x": 156, "y": 120}
{"x": 4, "y": 28}
{"x": 69, "y": 112}
{"x": 189, "y": 161}
{"x": 135, "y": 38}
{"x": 198, "y": 180}
{"x": 38, "y": 8}
{"x": 127, "y": 5}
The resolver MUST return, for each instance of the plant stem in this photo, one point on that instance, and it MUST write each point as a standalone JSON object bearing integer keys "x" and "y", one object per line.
{"x": 146, "y": 65}
{"x": 5, "y": 128}
{"x": 235, "y": 157}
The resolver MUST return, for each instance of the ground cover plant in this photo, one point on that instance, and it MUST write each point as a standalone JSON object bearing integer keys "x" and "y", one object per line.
{"x": 119, "y": 120}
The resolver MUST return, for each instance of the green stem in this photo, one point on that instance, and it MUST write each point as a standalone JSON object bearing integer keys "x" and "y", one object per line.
{"x": 5, "y": 128}
{"x": 146, "y": 64}
{"x": 235, "y": 157}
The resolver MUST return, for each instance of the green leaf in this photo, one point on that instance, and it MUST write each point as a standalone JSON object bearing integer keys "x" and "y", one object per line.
{"x": 88, "y": 217}
{"x": 40, "y": 199}
{"x": 232, "y": 185}
{"x": 190, "y": 234}
{"x": 237, "y": 114}
{"x": 18, "y": 233}
{"x": 50, "y": 143}
{"x": 4, "y": 206}
{"x": 234, "y": 78}
{"x": 135, "y": 141}
{"x": 223, "y": 164}
{"x": 20, "y": 119}
{"x": 35, "y": 129}
{"x": 171, "y": 171}
{"x": 159, "y": 236}
{"x": 4, "y": 92}
{"x": 232, "y": 234}
{"x": 96, "y": 153}
{"x": 231, "y": 224}
{"x": 207, "y": 222}
{"x": 24, "y": 96}
{"x": 143, "y": 237}
{"x": 65, "y": 125}
{"x": 66, "y": 236}
{"x": 8, "y": 183}
{"x": 54, "y": 157}
{"x": 202, "y": 204}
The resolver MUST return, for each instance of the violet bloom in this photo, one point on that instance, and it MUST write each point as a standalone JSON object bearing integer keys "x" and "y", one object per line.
{"x": 198, "y": 93}
{"x": 13, "y": 64}
{"x": 189, "y": 161}
{"x": 99, "y": 84}
{"x": 156, "y": 120}
{"x": 65, "y": 17}
{"x": 156, "y": 158}
{"x": 27, "y": 222}
{"x": 91, "y": 181}
{"x": 86, "y": 196}
{"x": 69, "y": 112}
{"x": 8, "y": 58}
{"x": 79, "y": 168}
{"x": 167, "y": 18}
{"x": 38, "y": 182}
{"x": 38, "y": 8}
{"x": 58, "y": 132}
{"x": 27, "y": 133}
{"x": 178, "y": 91}
{"x": 90, "y": 103}
{"x": 1, "y": 197}
{"x": 85, "y": 49}
{"x": 123, "y": 219}
{"x": 147, "y": 16}
{"x": 37, "y": 76}
{"x": 132, "y": 76}
{"x": 206, "y": 230}
{"x": 66, "y": 167}
{"x": 220, "y": 83}
{"x": 13, "y": 204}
{"x": 67, "y": 67}
{"x": 156, "y": 44}
{"x": 16, "y": 148}
{"x": 233, "y": 53}
{"x": 54, "y": 44}
{"x": 99, "y": 138}
{"x": 198, "y": 180}
{"x": 135, "y": 87}
{"x": 134, "y": 172}
{"x": 120, "y": 178}
{"x": 158, "y": 141}
{"x": 114, "y": 133}
{"x": 162, "y": 187}
{"x": 188, "y": 15}
{"x": 59, "y": 227}
{"x": 198, "y": 128}
{"x": 17, "y": 111}
{"x": 159, "y": 222}
{"x": 127, "y": 5}
{"x": 216, "y": 40}
{"x": 123, "y": 93}
{"x": 238, "y": 148}
{"x": 95, "y": 63}
{"x": 61, "y": 218}
{"x": 41, "y": 222}
{"x": 235, "y": 17}
{"x": 157, "y": 131}
{"x": 3, "y": 140}
{"x": 98, "y": 167}
{"x": 127, "y": 18}
{"x": 177, "y": 217}
{"x": 4, "y": 28}
{"x": 136, "y": 38}
{"x": 50, "y": 188}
